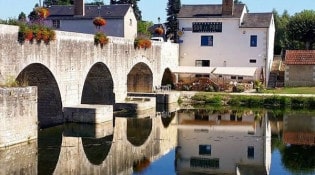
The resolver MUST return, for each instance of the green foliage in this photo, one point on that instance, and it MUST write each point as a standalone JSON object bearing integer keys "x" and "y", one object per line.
{"x": 281, "y": 40}
{"x": 58, "y": 2}
{"x": 12, "y": 82}
{"x": 143, "y": 27}
{"x": 272, "y": 102}
{"x": 301, "y": 27}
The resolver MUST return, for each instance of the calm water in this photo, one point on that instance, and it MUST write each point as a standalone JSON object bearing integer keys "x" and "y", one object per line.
{"x": 179, "y": 142}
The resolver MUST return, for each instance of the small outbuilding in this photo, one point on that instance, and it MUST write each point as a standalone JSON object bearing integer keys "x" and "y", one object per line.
{"x": 299, "y": 68}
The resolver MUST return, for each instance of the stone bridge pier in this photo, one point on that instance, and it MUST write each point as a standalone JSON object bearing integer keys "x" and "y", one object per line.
{"x": 72, "y": 70}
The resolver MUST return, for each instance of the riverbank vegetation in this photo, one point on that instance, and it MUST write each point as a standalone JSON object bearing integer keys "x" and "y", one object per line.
{"x": 266, "y": 101}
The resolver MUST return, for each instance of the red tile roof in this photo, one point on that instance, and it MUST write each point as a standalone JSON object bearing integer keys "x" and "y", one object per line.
{"x": 305, "y": 57}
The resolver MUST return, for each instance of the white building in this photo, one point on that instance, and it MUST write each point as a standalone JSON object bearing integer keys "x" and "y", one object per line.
{"x": 120, "y": 19}
{"x": 235, "y": 44}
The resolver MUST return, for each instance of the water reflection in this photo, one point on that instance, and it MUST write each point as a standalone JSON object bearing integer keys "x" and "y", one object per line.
{"x": 206, "y": 141}
{"x": 227, "y": 142}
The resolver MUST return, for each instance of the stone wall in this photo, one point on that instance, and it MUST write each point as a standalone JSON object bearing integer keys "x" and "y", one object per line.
{"x": 299, "y": 75}
{"x": 18, "y": 115}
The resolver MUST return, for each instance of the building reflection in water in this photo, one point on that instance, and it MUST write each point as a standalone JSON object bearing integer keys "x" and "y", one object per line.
{"x": 223, "y": 143}
{"x": 298, "y": 153}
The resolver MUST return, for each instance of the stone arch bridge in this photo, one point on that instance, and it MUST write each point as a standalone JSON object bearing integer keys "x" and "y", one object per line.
{"x": 73, "y": 70}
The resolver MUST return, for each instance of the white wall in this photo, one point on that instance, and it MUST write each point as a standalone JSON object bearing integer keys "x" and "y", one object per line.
{"x": 231, "y": 47}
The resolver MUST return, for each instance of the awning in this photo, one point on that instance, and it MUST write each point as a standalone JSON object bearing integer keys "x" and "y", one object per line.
{"x": 192, "y": 70}
{"x": 235, "y": 71}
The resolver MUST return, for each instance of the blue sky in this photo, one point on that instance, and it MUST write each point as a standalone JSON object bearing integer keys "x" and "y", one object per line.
{"x": 152, "y": 9}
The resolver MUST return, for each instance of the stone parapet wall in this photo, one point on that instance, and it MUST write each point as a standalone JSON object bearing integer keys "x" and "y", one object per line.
{"x": 18, "y": 115}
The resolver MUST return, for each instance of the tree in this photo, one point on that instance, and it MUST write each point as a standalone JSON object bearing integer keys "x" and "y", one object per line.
{"x": 22, "y": 17}
{"x": 301, "y": 28}
{"x": 143, "y": 27}
{"x": 134, "y": 6}
{"x": 238, "y": 2}
{"x": 173, "y": 7}
{"x": 58, "y": 2}
{"x": 95, "y": 2}
{"x": 281, "y": 39}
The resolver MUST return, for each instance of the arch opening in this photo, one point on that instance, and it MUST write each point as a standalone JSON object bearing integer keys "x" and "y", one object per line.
{"x": 98, "y": 86}
{"x": 140, "y": 79}
{"x": 168, "y": 78}
{"x": 49, "y": 99}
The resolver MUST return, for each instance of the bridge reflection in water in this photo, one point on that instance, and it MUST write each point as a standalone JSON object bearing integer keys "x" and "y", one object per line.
{"x": 206, "y": 141}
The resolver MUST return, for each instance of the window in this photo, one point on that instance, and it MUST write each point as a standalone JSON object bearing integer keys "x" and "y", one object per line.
{"x": 253, "y": 41}
{"x": 252, "y": 61}
{"x": 202, "y": 63}
{"x": 233, "y": 77}
{"x": 130, "y": 22}
{"x": 56, "y": 24}
{"x": 250, "y": 152}
{"x": 205, "y": 150}
{"x": 204, "y": 162}
{"x": 207, "y": 40}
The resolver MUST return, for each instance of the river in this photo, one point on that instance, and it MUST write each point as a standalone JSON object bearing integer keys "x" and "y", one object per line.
{"x": 177, "y": 141}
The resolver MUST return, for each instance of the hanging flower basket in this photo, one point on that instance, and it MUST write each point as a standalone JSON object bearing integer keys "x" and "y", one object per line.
{"x": 42, "y": 12}
{"x": 159, "y": 30}
{"x": 99, "y": 22}
{"x": 100, "y": 38}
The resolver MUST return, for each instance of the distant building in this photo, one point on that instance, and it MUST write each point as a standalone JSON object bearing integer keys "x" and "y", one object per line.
{"x": 299, "y": 68}
{"x": 234, "y": 44}
{"x": 120, "y": 18}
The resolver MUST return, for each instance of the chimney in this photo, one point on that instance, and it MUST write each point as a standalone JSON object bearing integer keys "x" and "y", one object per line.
{"x": 79, "y": 8}
{"x": 227, "y": 7}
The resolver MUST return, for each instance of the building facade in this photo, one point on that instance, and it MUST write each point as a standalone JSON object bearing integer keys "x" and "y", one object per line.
{"x": 299, "y": 68}
{"x": 227, "y": 38}
{"x": 120, "y": 19}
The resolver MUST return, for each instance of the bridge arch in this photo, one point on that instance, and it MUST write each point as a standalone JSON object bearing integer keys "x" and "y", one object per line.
{"x": 49, "y": 99}
{"x": 140, "y": 78}
{"x": 168, "y": 77}
{"x": 98, "y": 86}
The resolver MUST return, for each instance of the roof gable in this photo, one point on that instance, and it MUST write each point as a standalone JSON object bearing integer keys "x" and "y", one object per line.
{"x": 206, "y": 10}
{"x": 91, "y": 11}
{"x": 298, "y": 57}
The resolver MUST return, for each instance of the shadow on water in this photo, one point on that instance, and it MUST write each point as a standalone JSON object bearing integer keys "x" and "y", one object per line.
{"x": 96, "y": 150}
{"x": 49, "y": 146}
{"x": 138, "y": 130}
